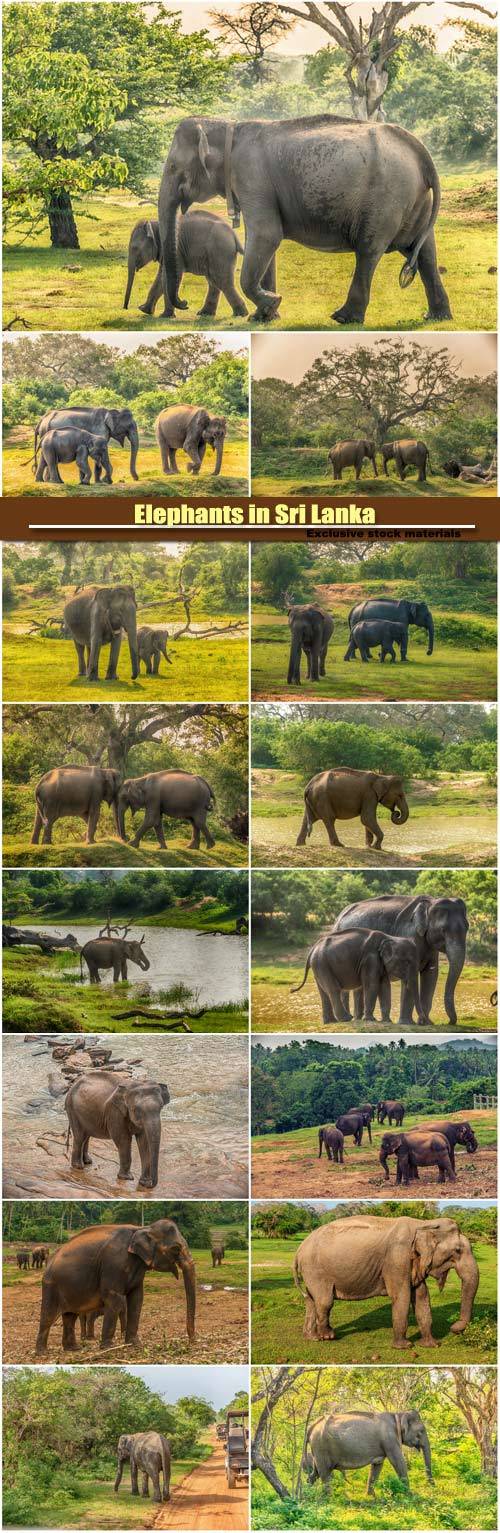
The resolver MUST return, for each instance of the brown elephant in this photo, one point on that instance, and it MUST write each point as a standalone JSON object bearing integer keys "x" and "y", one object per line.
{"x": 406, "y": 453}
{"x": 180, "y": 795}
{"x": 392, "y": 1109}
{"x": 74, "y": 790}
{"x": 191, "y": 428}
{"x": 343, "y": 793}
{"x": 366, "y": 964}
{"x": 352, "y": 455}
{"x": 96, "y": 616}
{"x": 424, "y": 1147}
{"x": 333, "y": 1140}
{"x": 218, "y": 1251}
{"x": 112, "y": 953}
{"x": 206, "y": 246}
{"x": 152, "y": 644}
{"x": 106, "y": 1105}
{"x": 74, "y": 445}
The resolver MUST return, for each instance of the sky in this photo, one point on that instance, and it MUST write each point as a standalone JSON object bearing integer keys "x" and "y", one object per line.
{"x": 217, "y": 1385}
{"x": 308, "y": 38}
{"x": 367, "y": 1041}
{"x": 323, "y": 1205}
{"x": 278, "y": 356}
{"x": 130, "y": 342}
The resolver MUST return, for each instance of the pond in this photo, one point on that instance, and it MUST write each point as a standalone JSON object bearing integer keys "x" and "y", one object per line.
{"x": 214, "y": 967}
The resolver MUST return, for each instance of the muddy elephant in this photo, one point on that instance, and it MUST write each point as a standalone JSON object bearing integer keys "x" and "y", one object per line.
{"x": 346, "y": 794}
{"x": 411, "y": 614}
{"x": 352, "y": 455}
{"x": 112, "y": 953}
{"x": 357, "y": 1439}
{"x": 39, "y": 1257}
{"x": 97, "y": 616}
{"x": 103, "y": 1105}
{"x": 310, "y": 633}
{"x": 206, "y": 246}
{"x": 23, "y": 1260}
{"x": 152, "y": 644}
{"x": 363, "y": 1256}
{"x": 180, "y": 795}
{"x": 364, "y": 961}
{"x": 329, "y": 184}
{"x": 366, "y": 636}
{"x": 436, "y": 923}
{"x": 101, "y": 1270}
{"x": 76, "y": 791}
{"x": 391, "y": 1109}
{"x": 333, "y": 1141}
{"x": 407, "y": 453}
{"x": 191, "y": 428}
{"x": 101, "y": 420}
{"x": 73, "y": 446}
{"x": 352, "y": 1123}
{"x": 149, "y": 1453}
{"x": 424, "y": 1147}
{"x": 217, "y": 1251}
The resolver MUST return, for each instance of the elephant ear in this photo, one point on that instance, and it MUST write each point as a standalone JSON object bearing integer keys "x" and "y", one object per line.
{"x": 422, "y": 1252}
{"x": 109, "y": 420}
{"x": 142, "y": 1245}
{"x": 203, "y": 147}
{"x": 421, "y": 919}
{"x": 386, "y": 948}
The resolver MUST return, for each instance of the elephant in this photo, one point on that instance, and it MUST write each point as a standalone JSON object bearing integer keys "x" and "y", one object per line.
{"x": 392, "y": 1110}
{"x": 408, "y": 451}
{"x": 39, "y": 1256}
{"x": 367, "y": 1115}
{"x": 343, "y": 793}
{"x": 364, "y": 961}
{"x": 365, "y": 636}
{"x": 112, "y": 953}
{"x": 105, "y": 1105}
{"x": 436, "y": 923}
{"x": 354, "y": 1439}
{"x": 389, "y": 1145}
{"x": 310, "y": 631}
{"x": 99, "y": 419}
{"x": 363, "y": 1256}
{"x": 352, "y": 1123}
{"x": 192, "y": 428}
{"x": 218, "y": 1251}
{"x": 73, "y": 445}
{"x": 351, "y": 455}
{"x": 409, "y": 613}
{"x": 206, "y": 246}
{"x": 74, "y": 790}
{"x": 325, "y": 182}
{"x": 97, "y": 615}
{"x": 102, "y": 1270}
{"x": 424, "y": 1147}
{"x": 333, "y": 1140}
{"x": 23, "y": 1260}
{"x": 150, "y": 1453}
{"x": 152, "y": 644}
{"x": 180, "y": 795}
{"x": 455, "y": 1133}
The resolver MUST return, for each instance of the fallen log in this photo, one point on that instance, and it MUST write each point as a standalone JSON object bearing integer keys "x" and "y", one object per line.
{"x": 17, "y": 936}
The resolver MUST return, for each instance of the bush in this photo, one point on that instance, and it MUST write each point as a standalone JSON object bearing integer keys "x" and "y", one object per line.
{"x": 9, "y": 594}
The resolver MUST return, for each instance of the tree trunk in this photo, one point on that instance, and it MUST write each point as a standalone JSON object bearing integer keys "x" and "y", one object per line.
{"x": 63, "y": 230}
{"x": 488, "y": 1455}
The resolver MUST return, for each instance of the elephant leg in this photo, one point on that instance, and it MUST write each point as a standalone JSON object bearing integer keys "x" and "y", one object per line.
{"x": 124, "y": 1147}
{"x": 134, "y": 1479}
{"x": 80, "y": 650}
{"x": 155, "y": 1480}
{"x": 326, "y": 1006}
{"x": 396, "y": 1457}
{"x": 92, "y": 821}
{"x": 233, "y": 297}
{"x": 329, "y": 823}
{"x": 211, "y": 301}
{"x": 323, "y": 1304}
{"x": 37, "y": 828}
{"x": 437, "y": 297}
{"x": 371, "y": 982}
{"x": 149, "y": 666}
{"x": 207, "y": 834}
{"x": 40, "y": 473}
{"x": 69, "y": 1339}
{"x": 115, "y": 1306}
{"x": 85, "y": 1152}
{"x": 372, "y": 829}
{"x": 354, "y": 309}
{"x": 116, "y": 971}
{"x": 423, "y": 1315}
{"x": 400, "y": 1300}
{"x": 350, "y": 653}
{"x": 123, "y": 970}
{"x": 145, "y": 1485}
{"x": 428, "y": 981}
{"x": 155, "y": 293}
{"x": 195, "y": 838}
{"x": 322, "y": 659}
{"x": 79, "y": 1140}
{"x": 135, "y": 1301}
{"x": 114, "y": 651}
{"x": 147, "y": 824}
{"x": 357, "y": 1003}
{"x": 373, "y": 1474}
{"x": 47, "y": 829}
{"x": 384, "y": 995}
{"x": 406, "y": 1007}
{"x": 174, "y": 467}
{"x": 49, "y": 1313}
{"x": 260, "y": 249}
{"x": 340, "y": 1011}
{"x": 156, "y": 663}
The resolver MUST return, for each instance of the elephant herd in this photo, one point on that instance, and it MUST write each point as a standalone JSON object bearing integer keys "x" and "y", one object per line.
{"x": 407, "y": 453}
{"x": 430, "y": 1144}
{"x": 377, "y": 623}
{"x": 77, "y": 434}
{"x": 39, "y": 1257}
{"x": 80, "y": 792}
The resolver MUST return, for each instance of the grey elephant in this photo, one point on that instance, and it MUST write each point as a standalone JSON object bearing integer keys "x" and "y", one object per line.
{"x": 363, "y": 1256}
{"x": 180, "y": 795}
{"x": 310, "y": 633}
{"x": 358, "y": 1439}
{"x": 112, "y": 953}
{"x": 407, "y": 612}
{"x": 206, "y": 246}
{"x": 118, "y": 424}
{"x": 391, "y": 1109}
{"x": 344, "y": 794}
{"x": 407, "y": 453}
{"x": 366, "y": 636}
{"x": 97, "y": 616}
{"x": 329, "y": 184}
{"x": 74, "y": 791}
{"x": 218, "y": 1251}
{"x": 73, "y": 445}
{"x": 149, "y": 1453}
{"x": 104, "y": 1105}
{"x": 331, "y": 1139}
{"x": 23, "y": 1260}
{"x": 364, "y": 961}
{"x": 152, "y": 644}
{"x": 191, "y": 428}
{"x": 436, "y": 923}
{"x": 352, "y": 455}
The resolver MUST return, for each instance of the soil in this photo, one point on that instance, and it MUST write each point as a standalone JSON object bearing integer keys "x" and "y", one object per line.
{"x": 203, "y": 1500}
{"x": 292, "y": 1173}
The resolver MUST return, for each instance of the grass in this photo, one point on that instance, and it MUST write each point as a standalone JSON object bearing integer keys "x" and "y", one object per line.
{"x": 452, "y": 824}
{"x": 34, "y": 1000}
{"x": 304, "y": 471}
{"x": 305, "y": 1140}
{"x": 109, "y": 852}
{"x": 234, "y": 1270}
{"x": 90, "y": 1502}
{"x": 83, "y": 290}
{"x": 275, "y": 1009}
{"x": 18, "y": 476}
{"x": 46, "y": 668}
{"x": 461, "y": 1497}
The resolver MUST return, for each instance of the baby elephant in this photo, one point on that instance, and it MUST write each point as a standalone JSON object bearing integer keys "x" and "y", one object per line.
{"x": 366, "y": 961}
{"x": 152, "y": 644}
{"x": 73, "y": 445}
{"x": 333, "y": 1140}
{"x": 105, "y": 1105}
{"x": 206, "y": 246}
{"x": 365, "y": 636}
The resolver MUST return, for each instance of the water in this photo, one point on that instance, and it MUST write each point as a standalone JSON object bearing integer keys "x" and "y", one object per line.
{"x": 214, "y": 967}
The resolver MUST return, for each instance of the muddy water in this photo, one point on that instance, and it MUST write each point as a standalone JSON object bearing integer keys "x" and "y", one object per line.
{"x": 204, "y": 1126}
{"x": 214, "y": 967}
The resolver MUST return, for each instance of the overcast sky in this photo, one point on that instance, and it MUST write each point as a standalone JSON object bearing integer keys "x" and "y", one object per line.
{"x": 308, "y": 39}
{"x": 217, "y": 1385}
{"x": 279, "y": 356}
{"x": 354, "y": 1041}
{"x": 323, "y": 1205}
{"x": 131, "y": 341}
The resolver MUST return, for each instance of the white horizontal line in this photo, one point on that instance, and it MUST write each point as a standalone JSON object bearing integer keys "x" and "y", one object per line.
{"x": 245, "y": 526}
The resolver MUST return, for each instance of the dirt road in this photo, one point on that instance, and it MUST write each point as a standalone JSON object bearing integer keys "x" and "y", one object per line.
{"x": 203, "y": 1500}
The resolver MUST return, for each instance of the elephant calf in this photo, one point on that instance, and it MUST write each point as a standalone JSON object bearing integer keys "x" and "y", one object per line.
{"x": 73, "y": 446}
{"x": 366, "y": 636}
{"x": 363, "y": 961}
{"x": 104, "y": 1105}
{"x": 206, "y": 246}
{"x": 152, "y": 644}
{"x": 333, "y": 1141}
{"x": 351, "y": 455}
{"x": 310, "y": 633}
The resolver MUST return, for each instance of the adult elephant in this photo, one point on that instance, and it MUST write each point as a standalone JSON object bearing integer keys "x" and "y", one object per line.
{"x": 414, "y": 614}
{"x": 391, "y": 1109}
{"x": 192, "y": 428}
{"x": 102, "y": 1270}
{"x": 424, "y": 1147}
{"x": 343, "y": 793}
{"x": 76, "y": 791}
{"x": 407, "y": 453}
{"x": 362, "y": 961}
{"x": 357, "y": 1439}
{"x": 436, "y": 923}
{"x": 364, "y": 1256}
{"x": 23, "y": 1260}
{"x": 72, "y": 446}
{"x": 379, "y": 633}
{"x": 101, "y": 420}
{"x": 352, "y": 455}
{"x": 104, "y": 1105}
{"x": 332, "y": 1140}
{"x": 310, "y": 633}
{"x": 206, "y": 246}
{"x": 152, "y": 644}
{"x": 180, "y": 795}
{"x": 328, "y": 183}
{"x": 352, "y": 1123}
{"x": 367, "y": 1116}
{"x": 217, "y": 1251}
{"x": 39, "y": 1257}
{"x": 456, "y": 1133}
{"x": 96, "y": 616}
{"x": 112, "y": 953}
{"x": 149, "y": 1453}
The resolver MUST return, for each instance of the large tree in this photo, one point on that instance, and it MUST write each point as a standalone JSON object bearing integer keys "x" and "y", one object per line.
{"x": 383, "y": 385}
{"x": 253, "y": 29}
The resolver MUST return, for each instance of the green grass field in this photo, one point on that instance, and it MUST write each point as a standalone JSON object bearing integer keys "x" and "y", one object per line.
{"x": 89, "y": 1501}
{"x": 305, "y": 471}
{"x": 34, "y": 1000}
{"x": 83, "y": 290}
{"x": 363, "y": 1329}
{"x": 452, "y": 824}
{"x": 461, "y": 1497}
{"x": 18, "y": 477}
{"x": 275, "y": 1010}
{"x": 69, "y": 850}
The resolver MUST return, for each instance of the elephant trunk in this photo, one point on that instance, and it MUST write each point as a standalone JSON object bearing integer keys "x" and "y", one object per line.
{"x": 189, "y": 1274}
{"x": 455, "y": 953}
{"x": 468, "y": 1271}
{"x": 148, "y": 1140}
{"x": 426, "y": 1454}
{"x": 430, "y": 630}
{"x": 130, "y": 279}
{"x": 219, "y": 452}
{"x": 144, "y": 962}
{"x": 168, "y": 232}
{"x": 133, "y": 436}
{"x": 400, "y": 812}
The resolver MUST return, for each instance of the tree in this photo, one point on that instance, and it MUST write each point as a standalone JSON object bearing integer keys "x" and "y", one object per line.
{"x": 389, "y": 384}
{"x": 254, "y": 29}
{"x": 474, "y": 1391}
{"x": 275, "y": 1384}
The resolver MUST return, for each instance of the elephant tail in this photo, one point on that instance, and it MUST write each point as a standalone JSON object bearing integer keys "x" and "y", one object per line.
{"x": 40, "y": 808}
{"x": 68, "y": 1135}
{"x": 310, "y": 817}
{"x": 295, "y": 988}
{"x": 297, "y": 1275}
{"x": 431, "y": 179}
{"x": 212, "y": 801}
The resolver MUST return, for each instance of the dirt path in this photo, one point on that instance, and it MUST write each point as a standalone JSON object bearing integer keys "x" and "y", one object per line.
{"x": 203, "y": 1500}
{"x": 291, "y": 1173}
